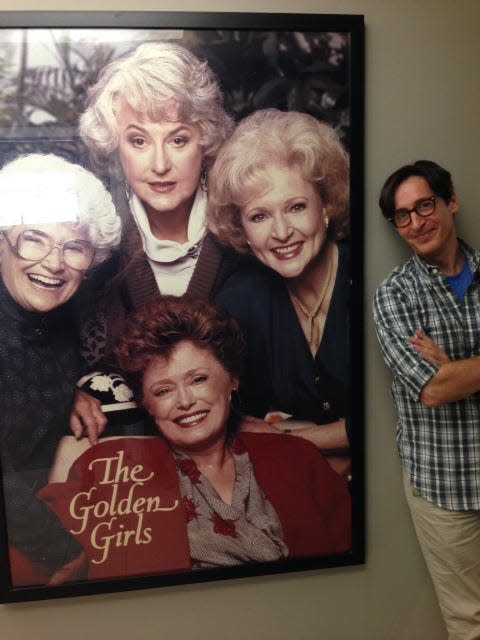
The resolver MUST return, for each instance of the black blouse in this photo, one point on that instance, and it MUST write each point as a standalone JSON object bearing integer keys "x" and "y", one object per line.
{"x": 281, "y": 372}
{"x": 39, "y": 366}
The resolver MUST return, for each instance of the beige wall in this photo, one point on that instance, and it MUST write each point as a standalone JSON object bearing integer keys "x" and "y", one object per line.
{"x": 422, "y": 100}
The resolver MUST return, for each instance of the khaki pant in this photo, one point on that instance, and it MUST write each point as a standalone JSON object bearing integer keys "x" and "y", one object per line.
{"x": 450, "y": 542}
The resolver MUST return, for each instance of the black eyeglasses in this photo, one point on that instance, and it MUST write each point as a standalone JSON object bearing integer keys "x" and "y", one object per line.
{"x": 423, "y": 208}
{"x": 35, "y": 245}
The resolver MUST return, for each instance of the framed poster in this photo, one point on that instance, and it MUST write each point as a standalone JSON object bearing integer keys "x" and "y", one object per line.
{"x": 126, "y": 502}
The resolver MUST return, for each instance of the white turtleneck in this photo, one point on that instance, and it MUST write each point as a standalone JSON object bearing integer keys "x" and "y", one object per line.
{"x": 173, "y": 262}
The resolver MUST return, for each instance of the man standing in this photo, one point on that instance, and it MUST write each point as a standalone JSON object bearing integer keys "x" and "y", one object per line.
{"x": 427, "y": 317}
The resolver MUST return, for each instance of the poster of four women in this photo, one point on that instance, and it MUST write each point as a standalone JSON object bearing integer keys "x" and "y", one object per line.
{"x": 178, "y": 312}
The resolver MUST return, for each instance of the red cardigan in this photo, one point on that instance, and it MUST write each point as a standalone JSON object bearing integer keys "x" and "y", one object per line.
{"x": 122, "y": 502}
{"x": 311, "y": 500}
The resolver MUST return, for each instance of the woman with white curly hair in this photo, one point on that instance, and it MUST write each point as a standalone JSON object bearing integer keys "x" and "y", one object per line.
{"x": 57, "y": 221}
{"x": 158, "y": 111}
{"x": 156, "y": 117}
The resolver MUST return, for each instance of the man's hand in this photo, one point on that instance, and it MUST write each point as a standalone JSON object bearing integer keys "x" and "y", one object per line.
{"x": 74, "y": 570}
{"x": 87, "y": 417}
{"x": 429, "y": 349}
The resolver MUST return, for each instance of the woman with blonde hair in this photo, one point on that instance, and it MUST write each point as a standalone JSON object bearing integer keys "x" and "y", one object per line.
{"x": 280, "y": 193}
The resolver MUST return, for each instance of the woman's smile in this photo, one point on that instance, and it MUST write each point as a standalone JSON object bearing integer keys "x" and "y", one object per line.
{"x": 44, "y": 281}
{"x": 285, "y": 222}
{"x": 188, "y": 394}
{"x": 191, "y": 420}
{"x": 289, "y": 251}
{"x": 45, "y": 284}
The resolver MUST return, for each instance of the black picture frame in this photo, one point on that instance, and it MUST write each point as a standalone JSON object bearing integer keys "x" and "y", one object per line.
{"x": 332, "y": 90}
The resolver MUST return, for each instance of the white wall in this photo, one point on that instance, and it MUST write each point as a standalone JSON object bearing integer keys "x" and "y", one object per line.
{"x": 422, "y": 100}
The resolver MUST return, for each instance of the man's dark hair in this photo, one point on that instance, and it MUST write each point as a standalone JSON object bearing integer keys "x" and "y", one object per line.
{"x": 438, "y": 179}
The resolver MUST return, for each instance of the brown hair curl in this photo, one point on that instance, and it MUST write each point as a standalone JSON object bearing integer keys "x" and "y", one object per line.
{"x": 160, "y": 326}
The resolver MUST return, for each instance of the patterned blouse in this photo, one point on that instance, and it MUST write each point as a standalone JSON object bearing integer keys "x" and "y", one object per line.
{"x": 221, "y": 534}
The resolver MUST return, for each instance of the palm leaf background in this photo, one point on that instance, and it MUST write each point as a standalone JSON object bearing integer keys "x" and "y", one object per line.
{"x": 40, "y": 103}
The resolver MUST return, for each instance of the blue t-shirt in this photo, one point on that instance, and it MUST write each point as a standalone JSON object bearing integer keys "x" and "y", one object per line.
{"x": 461, "y": 281}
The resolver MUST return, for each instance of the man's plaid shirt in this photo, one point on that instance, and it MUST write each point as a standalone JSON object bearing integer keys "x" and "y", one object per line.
{"x": 439, "y": 448}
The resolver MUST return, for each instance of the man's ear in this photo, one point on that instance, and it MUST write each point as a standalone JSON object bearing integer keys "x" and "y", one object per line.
{"x": 453, "y": 204}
